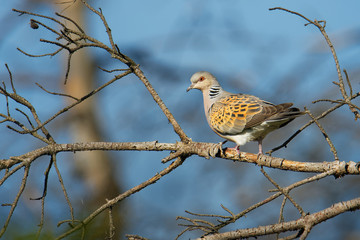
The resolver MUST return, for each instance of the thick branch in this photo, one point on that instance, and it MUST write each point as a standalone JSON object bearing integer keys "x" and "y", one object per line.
{"x": 285, "y": 164}
{"x": 305, "y": 222}
{"x": 192, "y": 148}
{"x": 234, "y": 217}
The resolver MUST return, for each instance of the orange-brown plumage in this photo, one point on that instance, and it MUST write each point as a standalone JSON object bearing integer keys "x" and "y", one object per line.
{"x": 240, "y": 117}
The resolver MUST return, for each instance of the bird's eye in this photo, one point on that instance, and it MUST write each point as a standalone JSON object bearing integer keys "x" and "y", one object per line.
{"x": 202, "y": 78}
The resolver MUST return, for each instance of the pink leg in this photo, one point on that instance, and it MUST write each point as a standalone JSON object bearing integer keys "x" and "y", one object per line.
{"x": 238, "y": 149}
{"x": 260, "y": 147}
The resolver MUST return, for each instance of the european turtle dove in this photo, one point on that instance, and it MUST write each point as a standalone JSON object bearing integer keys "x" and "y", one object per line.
{"x": 240, "y": 118}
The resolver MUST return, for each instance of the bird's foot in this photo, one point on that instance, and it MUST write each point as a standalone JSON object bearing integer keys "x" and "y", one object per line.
{"x": 259, "y": 155}
{"x": 237, "y": 149}
{"x": 221, "y": 146}
{"x": 260, "y": 149}
{"x": 214, "y": 151}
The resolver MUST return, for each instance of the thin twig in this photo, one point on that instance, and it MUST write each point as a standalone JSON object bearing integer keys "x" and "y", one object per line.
{"x": 328, "y": 140}
{"x": 72, "y": 21}
{"x": 78, "y": 102}
{"x": 341, "y": 84}
{"x": 348, "y": 82}
{"x": 305, "y": 223}
{"x": 3, "y": 91}
{"x": 45, "y": 179}
{"x": 111, "y": 224}
{"x": 285, "y": 193}
{"x": 184, "y": 138}
{"x": 42, "y": 218}
{"x": 205, "y": 215}
{"x": 9, "y": 173}
{"x": 16, "y": 200}
{"x": 33, "y": 21}
{"x": 68, "y": 66}
{"x": 113, "y": 70}
{"x": 324, "y": 114}
{"x": 40, "y": 55}
{"x": 26, "y": 116}
{"x": 135, "y": 237}
{"x": 124, "y": 195}
{"x": 102, "y": 17}
{"x": 11, "y": 78}
{"x": 281, "y": 215}
{"x": 292, "y": 12}
{"x": 261, "y": 203}
{"x": 39, "y": 15}
{"x": 64, "y": 189}
{"x": 55, "y": 93}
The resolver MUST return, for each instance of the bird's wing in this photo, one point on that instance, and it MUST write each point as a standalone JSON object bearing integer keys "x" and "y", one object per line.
{"x": 232, "y": 114}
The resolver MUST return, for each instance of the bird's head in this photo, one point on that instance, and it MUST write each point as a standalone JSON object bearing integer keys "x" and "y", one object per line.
{"x": 202, "y": 81}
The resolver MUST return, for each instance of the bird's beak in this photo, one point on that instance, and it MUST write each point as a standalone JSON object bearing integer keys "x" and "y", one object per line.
{"x": 190, "y": 87}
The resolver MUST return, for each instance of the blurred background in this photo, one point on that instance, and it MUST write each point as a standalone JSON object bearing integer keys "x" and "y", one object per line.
{"x": 270, "y": 54}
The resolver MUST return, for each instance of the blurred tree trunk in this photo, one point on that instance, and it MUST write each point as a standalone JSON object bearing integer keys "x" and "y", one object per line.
{"x": 95, "y": 167}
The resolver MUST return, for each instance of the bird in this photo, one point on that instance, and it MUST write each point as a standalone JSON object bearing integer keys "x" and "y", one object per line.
{"x": 240, "y": 118}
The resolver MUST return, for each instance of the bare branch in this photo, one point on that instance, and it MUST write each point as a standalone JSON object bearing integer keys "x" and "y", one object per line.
{"x": 58, "y": 94}
{"x": 285, "y": 193}
{"x": 135, "y": 237}
{"x": 64, "y": 189}
{"x": 2, "y": 91}
{"x": 71, "y": 20}
{"x": 332, "y": 148}
{"x": 161, "y": 104}
{"x": 27, "y": 117}
{"x": 324, "y": 114}
{"x": 305, "y": 222}
{"x": 46, "y": 179}
{"x": 102, "y": 17}
{"x": 11, "y": 78}
{"x": 348, "y": 82}
{"x": 15, "y": 169}
{"x": 341, "y": 84}
{"x": 124, "y": 195}
{"x": 234, "y": 218}
{"x": 40, "y": 55}
{"x": 113, "y": 70}
{"x": 75, "y": 39}
{"x": 111, "y": 223}
{"x": 16, "y": 200}
{"x": 115, "y": 53}
{"x": 197, "y": 148}
{"x": 42, "y": 219}
{"x": 78, "y": 102}
{"x": 39, "y": 15}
